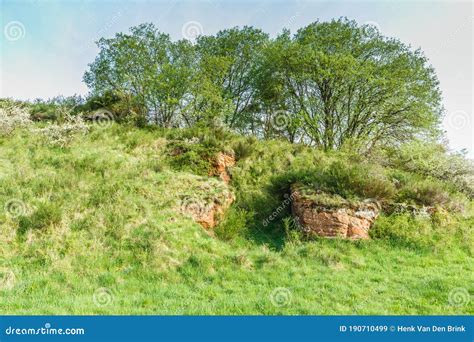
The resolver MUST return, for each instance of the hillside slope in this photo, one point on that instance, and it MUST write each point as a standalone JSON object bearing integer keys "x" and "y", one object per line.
{"x": 95, "y": 227}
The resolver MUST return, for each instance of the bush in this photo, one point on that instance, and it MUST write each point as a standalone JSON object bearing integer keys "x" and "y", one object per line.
{"x": 244, "y": 148}
{"x": 12, "y": 116}
{"x": 361, "y": 180}
{"x": 44, "y": 111}
{"x": 421, "y": 231}
{"x": 434, "y": 160}
{"x": 425, "y": 192}
{"x": 62, "y": 134}
{"x": 233, "y": 225}
{"x": 194, "y": 150}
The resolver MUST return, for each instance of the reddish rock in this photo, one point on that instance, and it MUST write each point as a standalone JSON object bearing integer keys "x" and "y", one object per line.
{"x": 339, "y": 218}
{"x": 221, "y": 164}
{"x": 207, "y": 214}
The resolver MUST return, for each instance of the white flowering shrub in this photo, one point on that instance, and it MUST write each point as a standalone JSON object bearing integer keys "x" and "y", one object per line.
{"x": 62, "y": 134}
{"x": 434, "y": 160}
{"x": 11, "y": 117}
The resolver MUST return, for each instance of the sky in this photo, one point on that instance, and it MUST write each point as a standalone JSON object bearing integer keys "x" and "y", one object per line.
{"x": 46, "y": 45}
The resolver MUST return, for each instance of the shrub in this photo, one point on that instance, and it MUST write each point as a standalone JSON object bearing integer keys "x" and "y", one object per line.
{"x": 233, "y": 225}
{"x": 62, "y": 134}
{"x": 433, "y": 160}
{"x": 44, "y": 111}
{"x": 243, "y": 148}
{"x": 420, "y": 231}
{"x": 194, "y": 150}
{"x": 12, "y": 116}
{"x": 359, "y": 180}
{"x": 426, "y": 192}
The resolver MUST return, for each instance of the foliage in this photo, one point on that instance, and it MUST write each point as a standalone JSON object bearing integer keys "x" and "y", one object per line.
{"x": 147, "y": 66}
{"x": 61, "y": 134}
{"x": 101, "y": 210}
{"x": 234, "y": 225}
{"x": 361, "y": 180}
{"x": 330, "y": 84}
{"x": 345, "y": 82}
{"x": 238, "y": 52}
{"x": 12, "y": 116}
{"x": 433, "y": 160}
{"x": 109, "y": 207}
{"x": 417, "y": 231}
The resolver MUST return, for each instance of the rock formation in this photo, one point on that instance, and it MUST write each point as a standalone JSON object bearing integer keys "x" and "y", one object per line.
{"x": 221, "y": 164}
{"x": 321, "y": 214}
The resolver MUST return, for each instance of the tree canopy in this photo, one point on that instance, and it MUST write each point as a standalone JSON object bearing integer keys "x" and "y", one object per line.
{"x": 330, "y": 84}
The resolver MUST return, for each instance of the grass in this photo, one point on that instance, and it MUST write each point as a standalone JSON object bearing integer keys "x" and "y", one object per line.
{"x": 97, "y": 229}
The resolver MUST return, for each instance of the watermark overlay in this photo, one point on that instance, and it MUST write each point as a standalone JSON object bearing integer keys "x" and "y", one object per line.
{"x": 280, "y": 297}
{"x": 14, "y": 30}
{"x": 103, "y": 118}
{"x": 191, "y": 30}
{"x": 191, "y": 206}
{"x": 280, "y": 120}
{"x": 283, "y": 205}
{"x": 458, "y": 119}
{"x": 82, "y": 45}
{"x": 15, "y": 207}
{"x": 7, "y": 279}
{"x": 459, "y": 296}
{"x": 292, "y": 19}
{"x": 370, "y": 26}
{"x": 102, "y": 297}
{"x": 46, "y": 330}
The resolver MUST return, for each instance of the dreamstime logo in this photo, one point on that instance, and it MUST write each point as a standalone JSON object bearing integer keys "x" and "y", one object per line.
{"x": 191, "y": 206}
{"x": 280, "y": 120}
{"x": 191, "y": 30}
{"x": 7, "y": 279}
{"x": 102, "y": 118}
{"x": 15, "y": 207}
{"x": 281, "y": 296}
{"x": 459, "y": 296}
{"x": 293, "y": 18}
{"x": 370, "y": 26}
{"x": 458, "y": 119}
{"x": 102, "y": 296}
{"x": 284, "y": 204}
{"x": 14, "y": 30}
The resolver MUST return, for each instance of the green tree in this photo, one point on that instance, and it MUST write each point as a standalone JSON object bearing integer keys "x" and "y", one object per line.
{"x": 238, "y": 52}
{"x": 206, "y": 103}
{"x": 145, "y": 64}
{"x": 350, "y": 84}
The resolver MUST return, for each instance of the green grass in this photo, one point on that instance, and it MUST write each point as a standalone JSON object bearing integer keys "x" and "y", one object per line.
{"x": 100, "y": 232}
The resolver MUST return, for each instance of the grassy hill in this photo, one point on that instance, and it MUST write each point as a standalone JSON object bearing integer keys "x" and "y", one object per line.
{"x": 94, "y": 226}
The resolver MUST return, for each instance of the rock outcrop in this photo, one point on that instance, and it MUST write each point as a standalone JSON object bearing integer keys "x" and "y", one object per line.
{"x": 322, "y": 214}
{"x": 207, "y": 214}
{"x": 204, "y": 199}
{"x": 222, "y": 162}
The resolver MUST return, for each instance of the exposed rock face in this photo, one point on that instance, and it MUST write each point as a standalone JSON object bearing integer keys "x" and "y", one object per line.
{"x": 333, "y": 218}
{"x": 207, "y": 214}
{"x": 221, "y": 164}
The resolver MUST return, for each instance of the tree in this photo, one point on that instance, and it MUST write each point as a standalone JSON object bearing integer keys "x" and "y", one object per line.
{"x": 331, "y": 84}
{"x": 351, "y": 84}
{"x": 237, "y": 51}
{"x": 206, "y": 103}
{"x": 150, "y": 68}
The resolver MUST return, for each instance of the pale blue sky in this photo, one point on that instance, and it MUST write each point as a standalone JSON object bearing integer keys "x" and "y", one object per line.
{"x": 46, "y": 45}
